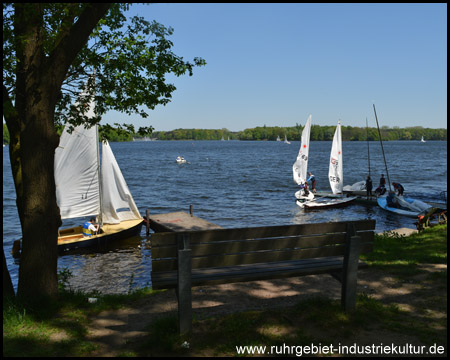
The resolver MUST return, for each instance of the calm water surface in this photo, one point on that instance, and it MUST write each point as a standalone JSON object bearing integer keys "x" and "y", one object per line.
{"x": 232, "y": 184}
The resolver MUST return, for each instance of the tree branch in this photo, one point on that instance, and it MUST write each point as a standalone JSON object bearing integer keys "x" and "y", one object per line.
{"x": 70, "y": 44}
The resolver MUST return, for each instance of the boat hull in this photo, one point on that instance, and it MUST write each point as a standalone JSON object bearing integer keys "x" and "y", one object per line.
{"x": 72, "y": 238}
{"x": 382, "y": 202}
{"x": 324, "y": 202}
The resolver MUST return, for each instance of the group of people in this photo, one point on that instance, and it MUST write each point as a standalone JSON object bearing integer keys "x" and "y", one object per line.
{"x": 381, "y": 189}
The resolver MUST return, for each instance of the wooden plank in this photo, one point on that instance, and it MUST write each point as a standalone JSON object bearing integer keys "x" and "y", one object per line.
{"x": 251, "y": 258}
{"x": 262, "y": 232}
{"x": 239, "y": 246}
{"x": 230, "y": 247}
{"x": 260, "y": 271}
{"x": 179, "y": 221}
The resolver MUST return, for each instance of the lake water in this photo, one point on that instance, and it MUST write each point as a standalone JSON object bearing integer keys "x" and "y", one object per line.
{"x": 233, "y": 184}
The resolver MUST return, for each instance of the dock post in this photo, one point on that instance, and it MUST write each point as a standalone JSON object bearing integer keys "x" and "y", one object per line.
{"x": 184, "y": 285}
{"x": 147, "y": 223}
{"x": 191, "y": 210}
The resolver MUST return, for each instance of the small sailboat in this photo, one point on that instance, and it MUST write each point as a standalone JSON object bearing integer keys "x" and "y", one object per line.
{"x": 300, "y": 166}
{"x": 422, "y": 140}
{"x": 399, "y": 204}
{"x": 404, "y": 205}
{"x": 84, "y": 187}
{"x": 278, "y": 138}
{"x": 286, "y": 140}
{"x": 335, "y": 177}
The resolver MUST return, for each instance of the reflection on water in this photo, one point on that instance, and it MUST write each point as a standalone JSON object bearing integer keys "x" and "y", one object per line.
{"x": 116, "y": 268}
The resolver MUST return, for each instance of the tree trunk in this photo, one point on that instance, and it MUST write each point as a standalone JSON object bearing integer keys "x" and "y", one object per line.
{"x": 8, "y": 289}
{"x": 38, "y": 84}
{"x": 40, "y": 216}
{"x": 34, "y": 149}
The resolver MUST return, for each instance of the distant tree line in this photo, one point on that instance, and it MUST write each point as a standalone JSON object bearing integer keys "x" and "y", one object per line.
{"x": 318, "y": 133}
{"x": 271, "y": 133}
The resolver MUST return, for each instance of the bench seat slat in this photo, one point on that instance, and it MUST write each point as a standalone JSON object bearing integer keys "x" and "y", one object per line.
{"x": 261, "y": 271}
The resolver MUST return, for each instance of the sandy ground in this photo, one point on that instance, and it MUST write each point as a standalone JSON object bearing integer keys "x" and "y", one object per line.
{"x": 112, "y": 329}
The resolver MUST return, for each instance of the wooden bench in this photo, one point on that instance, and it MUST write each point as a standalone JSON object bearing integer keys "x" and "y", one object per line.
{"x": 181, "y": 260}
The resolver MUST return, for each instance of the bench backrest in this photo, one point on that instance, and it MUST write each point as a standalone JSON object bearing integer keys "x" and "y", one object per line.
{"x": 228, "y": 247}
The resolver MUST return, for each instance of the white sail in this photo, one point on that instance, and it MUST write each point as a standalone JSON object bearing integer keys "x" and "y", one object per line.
{"x": 78, "y": 189}
{"x": 300, "y": 166}
{"x": 335, "y": 171}
{"x": 117, "y": 203}
{"x": 76, "y": 171}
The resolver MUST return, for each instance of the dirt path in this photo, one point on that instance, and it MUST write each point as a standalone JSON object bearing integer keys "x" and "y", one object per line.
{"x": 113, "y": 329}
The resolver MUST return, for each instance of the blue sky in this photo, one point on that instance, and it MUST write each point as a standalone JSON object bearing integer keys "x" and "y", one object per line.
{"x": 274, "y": 64}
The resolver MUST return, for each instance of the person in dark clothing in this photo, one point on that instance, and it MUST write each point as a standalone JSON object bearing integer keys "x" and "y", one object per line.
{"x": 391, "y": 200}
{"x": 399, "y": 188}
{"x": 382, "y": 181}
{"x": 369, "y": 187}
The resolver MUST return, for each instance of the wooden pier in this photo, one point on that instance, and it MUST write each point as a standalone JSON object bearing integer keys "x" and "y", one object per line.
{"x": 179, "y": 221}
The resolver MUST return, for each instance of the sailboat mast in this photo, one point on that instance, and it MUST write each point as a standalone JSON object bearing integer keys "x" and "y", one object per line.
{"x": 382, "y": 150}
{"x": 367, "y": 138}
{"x": 100, "y": 217}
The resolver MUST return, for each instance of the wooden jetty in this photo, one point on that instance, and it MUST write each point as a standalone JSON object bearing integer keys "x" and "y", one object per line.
{"x": 179, "y": 221}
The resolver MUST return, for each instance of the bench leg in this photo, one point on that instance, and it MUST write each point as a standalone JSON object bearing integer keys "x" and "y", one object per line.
{"x": 351, "y": 259}
{"x": 184, "y": 292}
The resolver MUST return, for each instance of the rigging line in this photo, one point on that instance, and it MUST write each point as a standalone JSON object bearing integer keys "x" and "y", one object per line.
{"x": 90, "y": 184}
{"x": 368, "y": 150}
{"x": 382, "y": 150}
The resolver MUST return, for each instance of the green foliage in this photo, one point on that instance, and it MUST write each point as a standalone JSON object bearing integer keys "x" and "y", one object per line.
{"x": 318, "y": 133}
{"x": 5, "y": 134}
{"x": 129, "y": 57}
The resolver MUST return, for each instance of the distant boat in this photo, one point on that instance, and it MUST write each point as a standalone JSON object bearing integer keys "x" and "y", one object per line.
{"x": 335, "y": 177}
{"x": 181, "y": 160}
{"x": 422, "y": 140}
{"x": 286, "y": 140}
{"x": 278, "y": 138}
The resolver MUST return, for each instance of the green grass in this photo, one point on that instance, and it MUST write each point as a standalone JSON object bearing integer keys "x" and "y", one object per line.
{"x": 403, "y": 254}
{"x": 59, "y": 328}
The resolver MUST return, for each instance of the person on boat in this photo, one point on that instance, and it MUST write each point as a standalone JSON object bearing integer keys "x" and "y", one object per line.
{"x": 382, "y": 181}
{"x": 312, "y": 178}
{"x": 369, "y": 187}
{"x": 391, "y": 200}
{"x": 380, "y": 190}
{"x": 304, "y": 187}
{"x": 90, "y": 228}
{"x": 399, "y": 187}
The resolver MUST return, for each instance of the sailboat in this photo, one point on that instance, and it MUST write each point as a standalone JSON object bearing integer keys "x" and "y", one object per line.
{"x": 399, "y": 204}
{"x": 84, "y": 188}
{"x": 335, "y": 177}
{"x": 422, "y": 140}
{"x": 300, "y": 166}
{"x": 286, "y": 140}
